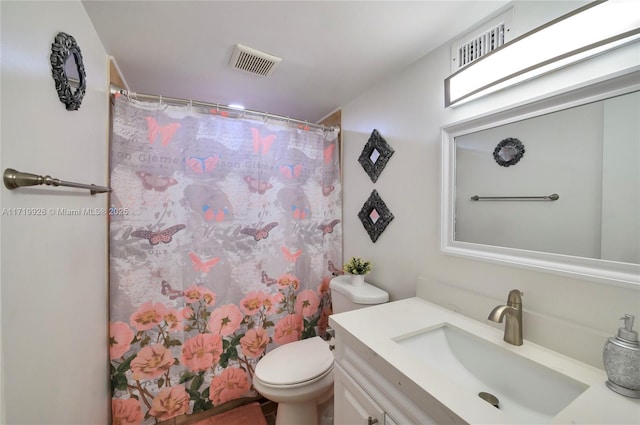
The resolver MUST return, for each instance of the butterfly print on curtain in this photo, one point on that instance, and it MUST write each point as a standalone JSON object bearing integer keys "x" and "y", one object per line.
{"x": 326, "y": 190}
{"x": 261, "y": 144}
{"x": 259, "y": 234}
{"x": 291, "y": 171}
{"x": 269, "y": 281}
{"x": 158, "y": 183}
{"x": 257, "y": 186}
{"x": 214, "y": 213}
{"x": 169, "y": 291}
{"x": 154, "y": 238}
{"x": 201, "y": 265}
{"x": 165, "y": 132}
{"x": 290, "y": 256}
{"x": 328, "y": 228}
{"x": 202, "y": 165}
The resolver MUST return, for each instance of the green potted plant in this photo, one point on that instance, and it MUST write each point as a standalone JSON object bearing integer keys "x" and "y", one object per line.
{"x": 357, "y": 268}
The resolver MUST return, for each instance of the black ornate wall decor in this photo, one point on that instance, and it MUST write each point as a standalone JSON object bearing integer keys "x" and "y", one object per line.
{"x": 508, "y": 152}
{"x": 68, "y": 71}
{"x": 375, "y": 155}
{"x": 375, "y": 216}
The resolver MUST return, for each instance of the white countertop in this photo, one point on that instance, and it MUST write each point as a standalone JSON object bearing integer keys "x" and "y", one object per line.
{"x": 376, "y": 327}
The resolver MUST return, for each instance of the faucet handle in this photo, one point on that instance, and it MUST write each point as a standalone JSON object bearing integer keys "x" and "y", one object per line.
{"x": 515, "y": 297}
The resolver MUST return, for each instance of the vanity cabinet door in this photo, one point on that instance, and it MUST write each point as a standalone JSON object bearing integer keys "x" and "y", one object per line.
{"x": 352, "y": 405}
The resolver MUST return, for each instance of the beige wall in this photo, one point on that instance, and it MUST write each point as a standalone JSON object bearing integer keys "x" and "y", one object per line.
{"x": 53, "y": 280}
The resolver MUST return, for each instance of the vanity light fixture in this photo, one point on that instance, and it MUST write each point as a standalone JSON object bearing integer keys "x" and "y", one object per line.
{"x": 587, "y": 31}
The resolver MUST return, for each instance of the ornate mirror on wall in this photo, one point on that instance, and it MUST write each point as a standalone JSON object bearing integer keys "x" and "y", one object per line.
{"x": 375, "y": 155}
{"x": 508, "y": 152}
{"x": 375, "y": 216}
{"x": 68, "y": 71}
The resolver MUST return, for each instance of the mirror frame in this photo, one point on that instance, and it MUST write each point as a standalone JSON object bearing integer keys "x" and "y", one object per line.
{"x": 375, "y": 143}
{"x": 604, "y": 271}
{"x": 375, "y": 229}
{"x": 64, "y": 47}
{"x": 511, "y": 142}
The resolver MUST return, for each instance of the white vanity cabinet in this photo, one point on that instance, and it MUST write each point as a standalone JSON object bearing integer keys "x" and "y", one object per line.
{"x": 379, "y": 375}
{"x": 351, "y": 404}
{"x": 367, "y": 390}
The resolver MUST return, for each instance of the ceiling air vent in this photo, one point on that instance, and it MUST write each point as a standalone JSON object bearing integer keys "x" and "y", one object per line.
{"x": 253, "y": 61}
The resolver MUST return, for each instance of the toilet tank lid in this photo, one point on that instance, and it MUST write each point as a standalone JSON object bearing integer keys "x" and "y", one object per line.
{"x": 364, "y": 294}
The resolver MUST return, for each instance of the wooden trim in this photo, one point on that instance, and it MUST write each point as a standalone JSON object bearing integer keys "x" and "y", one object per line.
{"x": 333, "y": 119}
{"x": 114, "y": 75}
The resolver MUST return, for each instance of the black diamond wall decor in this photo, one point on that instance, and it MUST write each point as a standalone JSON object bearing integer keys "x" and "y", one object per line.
{"x": 375, "y": 216}
{"x": 375, "y": 155}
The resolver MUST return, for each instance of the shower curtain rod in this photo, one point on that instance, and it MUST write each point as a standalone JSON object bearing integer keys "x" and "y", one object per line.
{"x": 152, "y": 97}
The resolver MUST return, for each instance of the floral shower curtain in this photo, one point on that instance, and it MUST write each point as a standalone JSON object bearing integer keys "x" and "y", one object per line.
{"x": 224, "y": 232}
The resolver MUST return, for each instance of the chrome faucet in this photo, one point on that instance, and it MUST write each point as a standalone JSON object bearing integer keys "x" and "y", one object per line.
{"x": 513, "y": 311}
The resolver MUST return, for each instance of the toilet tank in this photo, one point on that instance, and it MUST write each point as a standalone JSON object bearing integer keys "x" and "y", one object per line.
{"x": 346, "y": 296}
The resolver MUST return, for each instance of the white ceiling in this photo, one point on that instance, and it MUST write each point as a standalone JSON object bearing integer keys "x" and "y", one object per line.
{"x": 331, "y": 50}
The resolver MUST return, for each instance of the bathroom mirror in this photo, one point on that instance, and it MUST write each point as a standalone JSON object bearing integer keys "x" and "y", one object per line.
{"x": 584, "y": 146}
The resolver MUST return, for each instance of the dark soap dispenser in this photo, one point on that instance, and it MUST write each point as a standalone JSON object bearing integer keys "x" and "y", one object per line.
{"x": 621, "y": 355}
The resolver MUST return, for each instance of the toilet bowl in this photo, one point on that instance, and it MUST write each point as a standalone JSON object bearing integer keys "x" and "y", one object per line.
{"x": 299, "y": 375}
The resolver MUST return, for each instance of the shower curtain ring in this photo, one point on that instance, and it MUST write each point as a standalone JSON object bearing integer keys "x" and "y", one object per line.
{"x": 160, "y": 99}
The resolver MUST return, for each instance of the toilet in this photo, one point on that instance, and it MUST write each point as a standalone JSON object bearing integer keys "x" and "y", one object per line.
{"x": 299, "y": 375}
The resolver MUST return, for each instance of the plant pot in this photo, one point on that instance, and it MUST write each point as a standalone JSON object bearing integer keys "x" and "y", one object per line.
{"x": 357, "y": 279}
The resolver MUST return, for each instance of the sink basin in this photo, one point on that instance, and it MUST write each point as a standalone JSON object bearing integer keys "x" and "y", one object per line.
{"x": 528, "y": 392}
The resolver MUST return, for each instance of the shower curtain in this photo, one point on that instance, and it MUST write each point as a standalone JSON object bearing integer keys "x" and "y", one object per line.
{"x": 224, "y": 233}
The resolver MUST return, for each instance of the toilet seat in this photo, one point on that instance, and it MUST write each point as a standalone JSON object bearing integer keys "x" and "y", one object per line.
{"x": 303, "y": 385}
{"x": 295, "y": 364}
